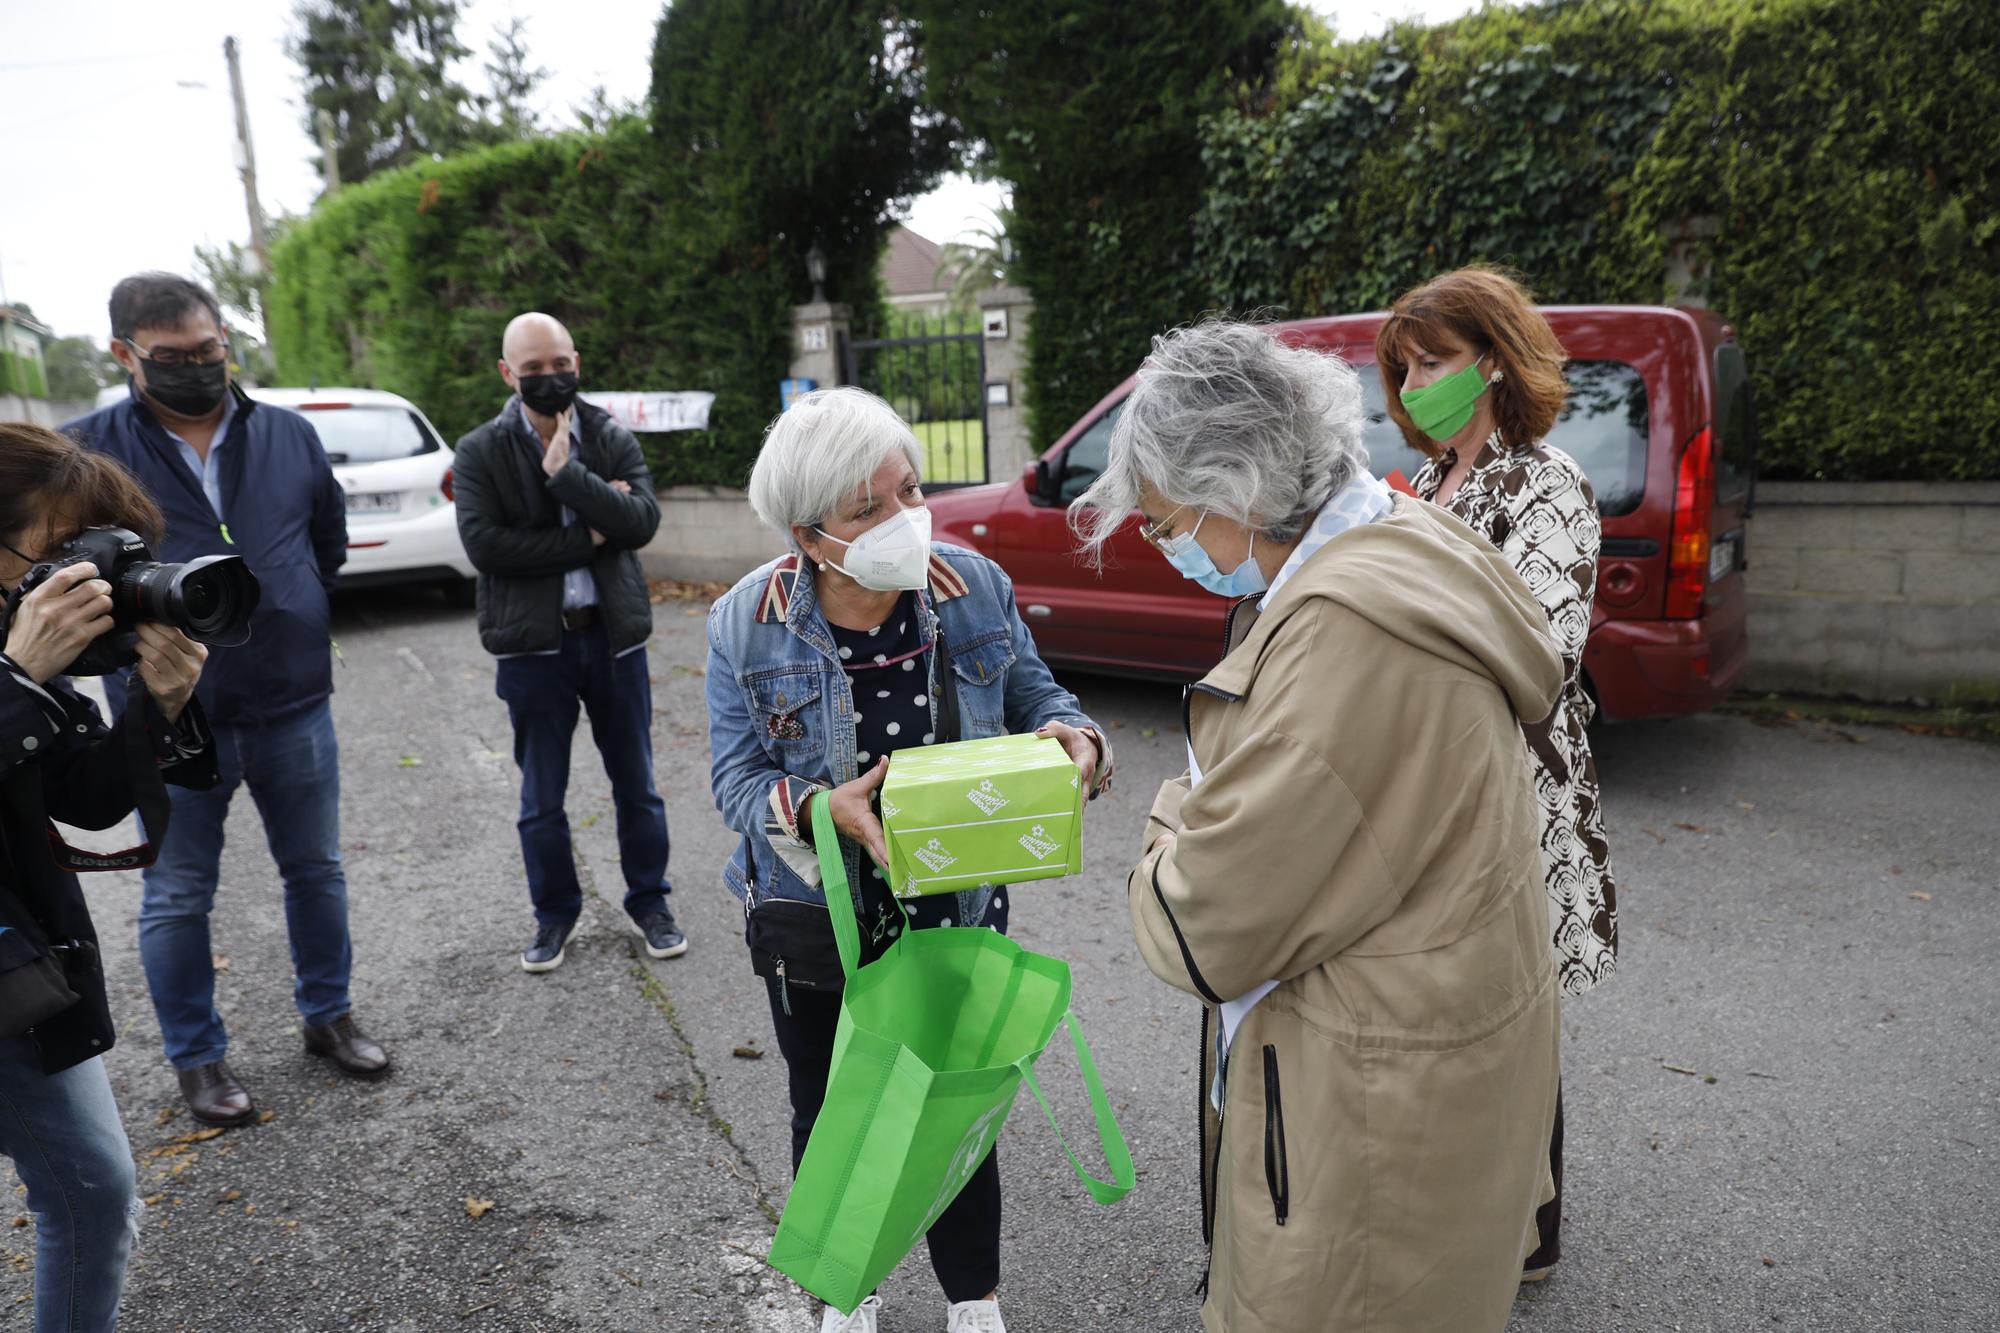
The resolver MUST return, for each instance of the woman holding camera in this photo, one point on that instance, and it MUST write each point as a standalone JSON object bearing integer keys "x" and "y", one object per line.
{"x": 58, "y": 1122}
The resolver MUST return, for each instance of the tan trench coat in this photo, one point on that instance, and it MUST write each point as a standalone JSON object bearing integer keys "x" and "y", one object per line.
{"x": 1365, "y": 833}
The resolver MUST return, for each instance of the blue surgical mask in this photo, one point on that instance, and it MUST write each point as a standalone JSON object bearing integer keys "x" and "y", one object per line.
{"x": 1184, "y": 553}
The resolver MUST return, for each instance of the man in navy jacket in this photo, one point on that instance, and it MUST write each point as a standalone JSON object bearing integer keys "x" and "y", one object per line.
{"x": 241, "y": 478}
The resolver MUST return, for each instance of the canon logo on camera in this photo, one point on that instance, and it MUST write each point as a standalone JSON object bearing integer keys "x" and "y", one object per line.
{"x": 126, "y": 862}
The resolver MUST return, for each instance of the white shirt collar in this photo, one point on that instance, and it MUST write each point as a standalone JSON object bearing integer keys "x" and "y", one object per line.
{"x": 1358, "y": 503}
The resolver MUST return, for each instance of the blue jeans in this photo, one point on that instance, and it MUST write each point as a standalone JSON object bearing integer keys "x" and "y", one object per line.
{"x": 543, "y": 693}
{"x": 292, "y": 766}
{"x": 63, "y": 1133}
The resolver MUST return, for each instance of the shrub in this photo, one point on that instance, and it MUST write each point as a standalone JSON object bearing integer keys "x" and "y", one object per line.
{"x": 1092, "y": 112}
{"x": 1836, "y": 151}
{"x": 407, "y": 281}
{"x": 777, "y": 123}
{"x": 673, "y": 250}
{"x": 22, "y": 375}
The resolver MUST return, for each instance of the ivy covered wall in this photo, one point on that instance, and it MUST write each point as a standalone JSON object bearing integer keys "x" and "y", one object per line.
{"x": 1832, "y": 161}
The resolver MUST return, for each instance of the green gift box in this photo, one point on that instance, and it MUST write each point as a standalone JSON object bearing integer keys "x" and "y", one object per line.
{"x": 996, "y": 811}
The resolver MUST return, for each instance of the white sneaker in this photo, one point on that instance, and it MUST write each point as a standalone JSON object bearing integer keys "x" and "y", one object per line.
{"x": 974, "y": 1317}
{"x": 861, "y": 1321}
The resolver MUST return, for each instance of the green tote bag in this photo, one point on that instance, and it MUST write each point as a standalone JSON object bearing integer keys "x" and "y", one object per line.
{"x": 934, "y": 1039}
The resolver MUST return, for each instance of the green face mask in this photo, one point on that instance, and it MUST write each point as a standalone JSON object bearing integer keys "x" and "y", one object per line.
{"x": 1441, "y": 409}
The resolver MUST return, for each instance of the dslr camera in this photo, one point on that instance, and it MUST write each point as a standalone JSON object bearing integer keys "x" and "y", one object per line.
{"x": 209, "y": 600}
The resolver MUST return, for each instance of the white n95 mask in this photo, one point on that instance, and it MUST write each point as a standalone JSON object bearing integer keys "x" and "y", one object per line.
{"x": 892, "y": 556}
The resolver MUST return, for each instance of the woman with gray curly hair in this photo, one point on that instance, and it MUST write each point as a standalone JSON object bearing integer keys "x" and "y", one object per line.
{"x": 1347, "y": 873}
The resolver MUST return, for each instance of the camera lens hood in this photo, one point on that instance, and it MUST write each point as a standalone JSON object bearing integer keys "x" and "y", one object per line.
{"x": 211, "y": 599}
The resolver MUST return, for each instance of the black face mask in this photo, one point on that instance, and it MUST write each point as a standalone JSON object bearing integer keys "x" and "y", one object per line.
{"x": 548, "y": 394}
{"x": 192, "y": 391}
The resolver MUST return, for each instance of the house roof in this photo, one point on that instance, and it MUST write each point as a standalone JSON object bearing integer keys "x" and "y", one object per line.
{"x": 27, "y": 321}
{"x": 910, "y": 264}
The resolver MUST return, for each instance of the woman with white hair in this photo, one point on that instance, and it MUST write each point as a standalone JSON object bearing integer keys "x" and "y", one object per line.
{"x": 866, "y": 639}
{"x": 1347, "y": 872}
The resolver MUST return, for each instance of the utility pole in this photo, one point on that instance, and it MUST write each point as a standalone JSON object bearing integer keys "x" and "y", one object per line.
{"x": 328, "y": 154}
{"x": 246, "y": 166}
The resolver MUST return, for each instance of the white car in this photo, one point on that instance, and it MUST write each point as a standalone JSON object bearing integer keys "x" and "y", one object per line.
{"x": 396, "y": 470}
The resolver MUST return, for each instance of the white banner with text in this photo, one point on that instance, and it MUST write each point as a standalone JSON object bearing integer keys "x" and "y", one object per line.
{"x": 655, "y": 411}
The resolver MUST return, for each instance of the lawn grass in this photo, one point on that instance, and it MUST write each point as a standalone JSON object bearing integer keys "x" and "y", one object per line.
{"x": 954, "y": 451}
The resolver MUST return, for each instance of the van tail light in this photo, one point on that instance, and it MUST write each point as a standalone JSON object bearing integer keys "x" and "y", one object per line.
{"x": 444, "y": 484}
{"x": 1687, "y": 551}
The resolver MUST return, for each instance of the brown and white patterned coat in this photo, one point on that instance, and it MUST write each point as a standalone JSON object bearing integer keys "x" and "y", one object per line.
{"x": 1537, "y": 508}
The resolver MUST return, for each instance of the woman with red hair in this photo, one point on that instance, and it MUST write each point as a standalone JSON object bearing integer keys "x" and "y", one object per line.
{"x": 1474, "y": 377}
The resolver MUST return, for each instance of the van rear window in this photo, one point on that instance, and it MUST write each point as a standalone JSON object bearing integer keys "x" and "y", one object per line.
{"x": 1603, "y": 426}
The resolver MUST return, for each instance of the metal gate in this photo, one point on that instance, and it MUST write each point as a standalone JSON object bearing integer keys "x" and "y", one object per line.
{"x": 933, "y": 372}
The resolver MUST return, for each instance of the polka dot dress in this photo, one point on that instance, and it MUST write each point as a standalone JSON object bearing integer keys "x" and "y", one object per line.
{"x": 888, "y": 669}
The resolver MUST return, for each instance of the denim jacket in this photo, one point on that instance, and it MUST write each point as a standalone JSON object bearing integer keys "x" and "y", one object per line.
{"x": 781, "y": 712}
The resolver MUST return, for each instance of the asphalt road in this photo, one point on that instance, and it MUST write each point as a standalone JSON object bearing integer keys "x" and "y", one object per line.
{"x": 1782, "y": 1112}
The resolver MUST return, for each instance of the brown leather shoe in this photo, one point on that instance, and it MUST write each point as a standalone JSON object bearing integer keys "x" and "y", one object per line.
{"x": 349, "y": 1047}
{"x": 214, "y": 1096}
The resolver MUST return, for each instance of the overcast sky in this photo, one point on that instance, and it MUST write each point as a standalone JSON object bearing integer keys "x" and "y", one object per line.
{"x": 116, "y": 132}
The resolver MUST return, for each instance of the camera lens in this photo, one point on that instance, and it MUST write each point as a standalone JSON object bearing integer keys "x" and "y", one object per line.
{"x": 209, "y": 600}
{"x": 200, "y": 598}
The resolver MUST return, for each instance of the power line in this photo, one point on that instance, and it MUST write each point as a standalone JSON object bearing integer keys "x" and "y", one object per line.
{"x": 96, "y": 60}
{"x": 88, "y": 109}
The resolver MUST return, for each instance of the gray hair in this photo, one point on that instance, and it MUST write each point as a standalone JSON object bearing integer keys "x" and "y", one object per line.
{"x": 821, "y": 450}
{"x": 1227, "y": 419}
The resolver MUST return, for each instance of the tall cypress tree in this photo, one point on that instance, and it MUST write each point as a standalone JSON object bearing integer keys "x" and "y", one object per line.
{"x": 381, "y": 69}
{"x": 1092, "y": 110}
{"x": 779, "y": 123}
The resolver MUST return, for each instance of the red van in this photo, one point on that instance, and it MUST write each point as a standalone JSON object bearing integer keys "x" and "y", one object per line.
{"x": 1659, "y": 416}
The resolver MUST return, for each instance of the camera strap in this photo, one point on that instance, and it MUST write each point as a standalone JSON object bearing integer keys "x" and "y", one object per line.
{"x": 947, "y": 691}
{"x": 149, "y": 797}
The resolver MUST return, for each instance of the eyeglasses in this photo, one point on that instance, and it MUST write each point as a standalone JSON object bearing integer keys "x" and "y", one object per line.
{"x": 207, "y": 354}
{"x": 50, "y": 552}
{"x": 1154, "y": 535}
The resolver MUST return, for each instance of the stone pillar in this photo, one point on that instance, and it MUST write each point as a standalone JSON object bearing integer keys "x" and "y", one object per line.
{"x": 818, "y": 330}
{"x": 1004, "y": 314}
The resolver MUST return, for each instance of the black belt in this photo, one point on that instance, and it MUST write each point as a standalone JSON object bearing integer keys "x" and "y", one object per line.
{"x": 581, "y": 618}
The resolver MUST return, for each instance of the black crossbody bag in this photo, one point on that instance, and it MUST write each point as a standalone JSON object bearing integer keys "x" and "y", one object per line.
{"x": 35, "y": 972}
{"x": 791, "y": 942}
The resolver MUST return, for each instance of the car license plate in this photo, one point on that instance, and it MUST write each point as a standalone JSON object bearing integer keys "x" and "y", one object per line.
{"x": 373, "y": 502}
{"x": 1721, "y": 559}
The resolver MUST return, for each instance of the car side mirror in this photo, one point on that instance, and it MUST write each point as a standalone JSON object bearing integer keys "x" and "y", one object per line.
{"x": 1038, "y": 479}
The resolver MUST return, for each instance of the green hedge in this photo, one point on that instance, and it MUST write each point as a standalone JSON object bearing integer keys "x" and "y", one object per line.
{"x": 778, "y": 123}
{"x": 406, "y": 282}
{"x": 1840, "y": 151}
{"x": 1092, "y": 110}
{"x": 673, "y": 250}
{"x": 22, "y": 375}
